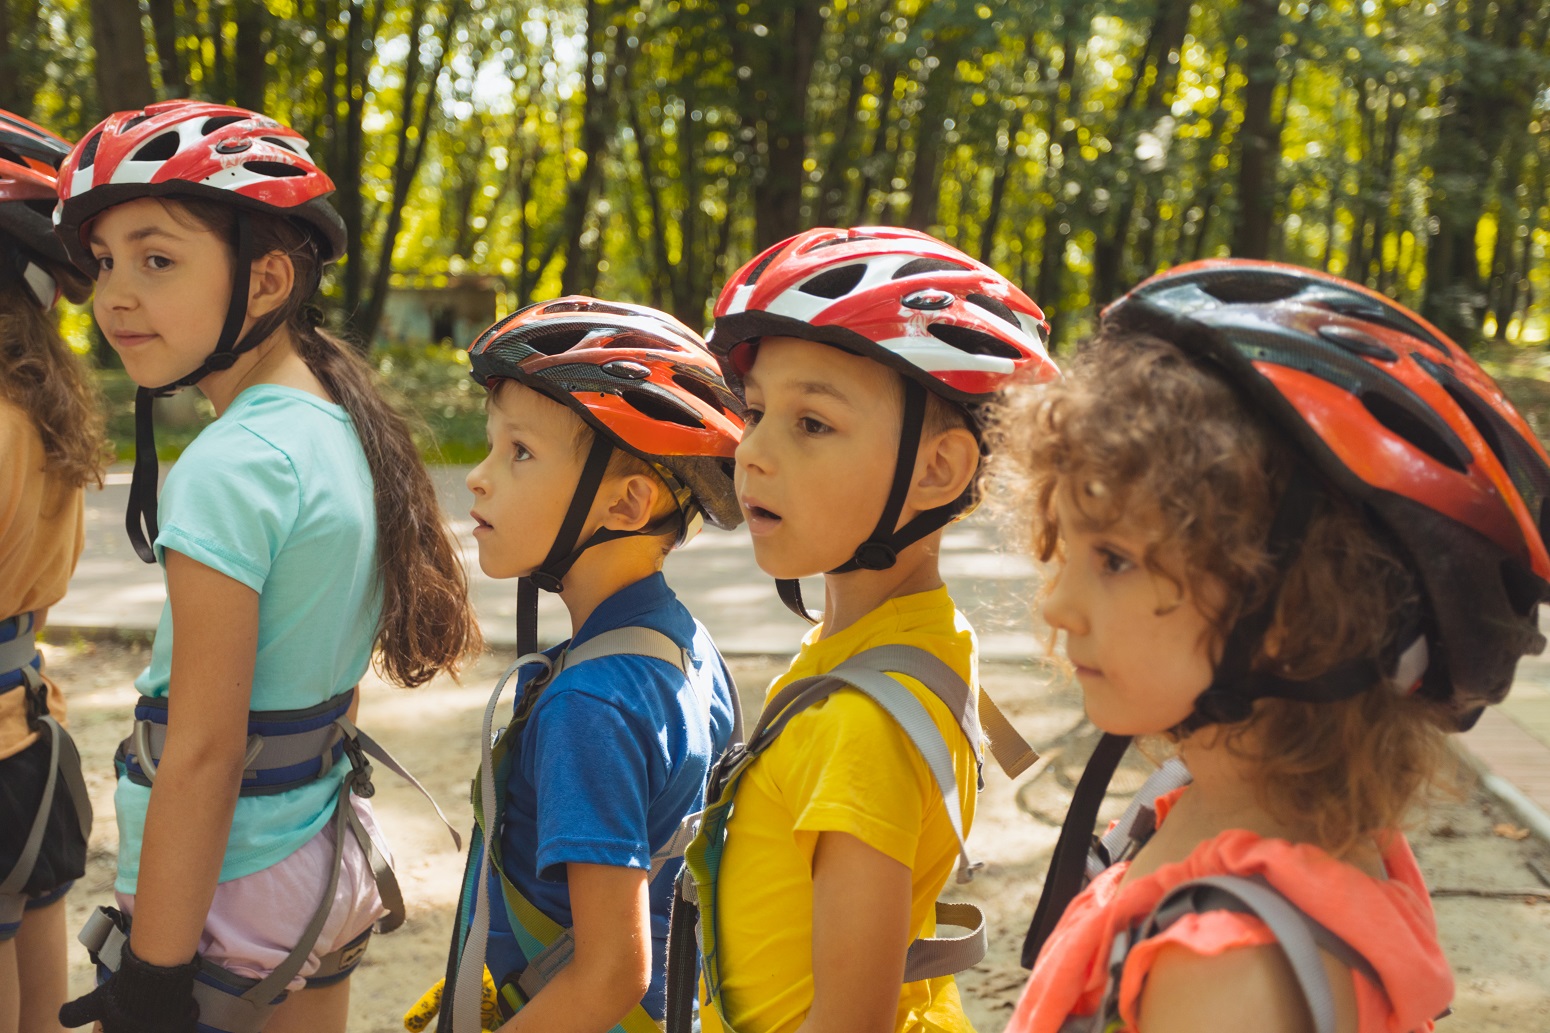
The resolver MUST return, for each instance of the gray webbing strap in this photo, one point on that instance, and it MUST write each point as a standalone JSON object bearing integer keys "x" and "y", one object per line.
{"x": 468, "y": 989}
{"x": 1114, "y": 843}
{"x": 1298, "y": 934}
{"x": 64, "y": 760}
{"x": 868, "y": 673}
{"x": 22, "y": 650}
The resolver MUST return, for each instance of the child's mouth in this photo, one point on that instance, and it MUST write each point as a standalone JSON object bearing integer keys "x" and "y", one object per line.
{"x": 760, "y": 520}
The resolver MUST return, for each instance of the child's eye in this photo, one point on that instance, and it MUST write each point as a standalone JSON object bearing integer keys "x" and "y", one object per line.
{"x": 1112, "y": 562}
{"x": 814, "y": 427}
{"x": 158, "y": 261}
{"x": 519, "y": 452}
{"x": 751, "y": 417}
{"x": 104, "y": 263}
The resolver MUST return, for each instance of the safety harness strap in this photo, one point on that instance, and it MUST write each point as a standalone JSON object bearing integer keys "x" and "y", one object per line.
{"x": 555, "y": 944}
{"x": 64, "y": 761}
{"x": 18, "y": 649}
{"x": 1298, "y": 934}
{"x": 1139, "y": 821}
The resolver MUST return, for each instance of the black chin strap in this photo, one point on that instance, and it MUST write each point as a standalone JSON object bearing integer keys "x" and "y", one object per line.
{"x": 882, "y": 547}
{"x": 563, "y": 554}
{"x": 140, "y": 520}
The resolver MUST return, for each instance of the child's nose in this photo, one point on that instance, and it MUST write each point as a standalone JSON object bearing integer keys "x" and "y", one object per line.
{"x": 475, "y": 479}
{"x": 1061, "y": 610}
{"x": 751, "y": 453}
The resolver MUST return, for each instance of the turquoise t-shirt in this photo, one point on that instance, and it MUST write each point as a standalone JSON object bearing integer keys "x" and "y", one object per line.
{"x": 276, "y": 494}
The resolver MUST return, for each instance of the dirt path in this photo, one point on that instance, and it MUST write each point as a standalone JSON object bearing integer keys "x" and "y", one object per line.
{"x": 1500, "y": 948}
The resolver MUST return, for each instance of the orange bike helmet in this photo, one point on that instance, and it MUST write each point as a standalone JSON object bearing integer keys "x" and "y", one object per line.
{"x": 29, "y": 158}
{"x": 1391, "y": 413}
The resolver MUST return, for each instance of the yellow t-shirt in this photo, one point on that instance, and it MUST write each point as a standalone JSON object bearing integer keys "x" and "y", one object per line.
{"x": 42, "y": 531}
{"x": 842, "y": 765}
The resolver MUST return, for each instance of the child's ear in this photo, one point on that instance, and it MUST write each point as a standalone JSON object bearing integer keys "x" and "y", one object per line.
{"x": 270, "y": 284}
{"x": 631, "y": 502}
{"x": 944, "y": 467}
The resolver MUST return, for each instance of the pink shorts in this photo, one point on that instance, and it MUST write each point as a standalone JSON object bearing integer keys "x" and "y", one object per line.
{"x": 256, "y": 920}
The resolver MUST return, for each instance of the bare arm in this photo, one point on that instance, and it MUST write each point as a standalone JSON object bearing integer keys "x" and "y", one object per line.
{"x": 861, "y": 931}
{"x": 1245, "y": 988}
{"x": 195, "y": 790}
{"x": 612, "y": 966}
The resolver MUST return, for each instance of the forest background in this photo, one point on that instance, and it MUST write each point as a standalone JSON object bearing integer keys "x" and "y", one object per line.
{"x": 643, "y": 149}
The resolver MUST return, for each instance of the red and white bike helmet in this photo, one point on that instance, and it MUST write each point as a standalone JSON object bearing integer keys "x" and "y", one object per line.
{"x": 946, "y": 323}
{"x": 29, "y": 156}
{"x": 193, "y": 149}
{"x": 644, "y": 383}
{"x": 1388, "y": 411}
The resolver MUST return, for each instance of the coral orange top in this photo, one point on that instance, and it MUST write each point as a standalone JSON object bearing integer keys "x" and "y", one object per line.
{"x": 1387, "y": 921}
{"x": 42, "y": 530}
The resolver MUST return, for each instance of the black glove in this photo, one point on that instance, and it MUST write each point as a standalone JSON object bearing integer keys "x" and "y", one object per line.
{"x": 139, "y": 998}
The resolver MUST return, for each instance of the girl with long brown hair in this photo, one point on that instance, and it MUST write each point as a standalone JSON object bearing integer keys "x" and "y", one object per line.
{"x": 51, "y": 447}
{"x": 299, "y": 534}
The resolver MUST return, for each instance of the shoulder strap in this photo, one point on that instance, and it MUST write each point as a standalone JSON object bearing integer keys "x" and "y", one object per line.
{"x": 1139, "y": 821}
{"x": 1297, "y": 933}
{"x": 630, "y": 641}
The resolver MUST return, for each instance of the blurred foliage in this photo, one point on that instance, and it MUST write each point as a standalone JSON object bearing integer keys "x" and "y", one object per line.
{"x": 643, "y": 149}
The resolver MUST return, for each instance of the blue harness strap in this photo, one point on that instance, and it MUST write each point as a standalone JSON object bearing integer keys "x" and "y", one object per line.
{"x": 18, "y": 650}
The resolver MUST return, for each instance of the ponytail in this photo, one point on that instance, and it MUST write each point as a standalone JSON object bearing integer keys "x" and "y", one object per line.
{"x": 427, "y": 623}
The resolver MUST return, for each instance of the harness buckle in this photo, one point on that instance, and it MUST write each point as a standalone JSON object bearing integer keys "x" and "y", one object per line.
{"x": 360, "y": 769}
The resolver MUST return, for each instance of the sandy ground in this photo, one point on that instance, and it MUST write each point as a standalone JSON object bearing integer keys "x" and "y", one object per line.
{"x": 1499, "y": 945}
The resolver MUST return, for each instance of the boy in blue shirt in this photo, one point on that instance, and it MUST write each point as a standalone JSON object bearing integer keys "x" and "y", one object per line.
{"x": 611, "y": 436}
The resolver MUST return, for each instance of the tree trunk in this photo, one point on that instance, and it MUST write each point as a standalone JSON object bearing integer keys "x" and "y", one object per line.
{"x": 123, "y": 76}
{"x": 777, "y": 93}
{"x": 578, "y": 196}
{"x": 249, "y": 68}
{"x": 1259, "y": 149}
{"x": 164, "y": 24}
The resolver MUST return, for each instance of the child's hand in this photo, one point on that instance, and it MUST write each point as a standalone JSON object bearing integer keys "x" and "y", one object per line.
{"x": 418, "y": 1018}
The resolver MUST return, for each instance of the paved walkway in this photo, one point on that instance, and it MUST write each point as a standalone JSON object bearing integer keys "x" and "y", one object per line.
{"x": 717, "y": 578}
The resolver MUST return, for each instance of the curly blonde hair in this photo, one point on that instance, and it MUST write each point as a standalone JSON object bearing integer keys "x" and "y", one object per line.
{"x": 41, "y": 375}
{"x": 1159, "y": 442}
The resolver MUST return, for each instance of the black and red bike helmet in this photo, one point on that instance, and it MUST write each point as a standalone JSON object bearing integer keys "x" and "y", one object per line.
{"x": 644, "y": 383}
{"x": 1389, "y": 412}
{"x": 29, "y": 159}
{"x": 949, "y": 325}
{"x": 193, "y": 149}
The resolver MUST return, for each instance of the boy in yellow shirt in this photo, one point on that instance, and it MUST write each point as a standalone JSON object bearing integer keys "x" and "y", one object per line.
{"x": 863, "y": 356}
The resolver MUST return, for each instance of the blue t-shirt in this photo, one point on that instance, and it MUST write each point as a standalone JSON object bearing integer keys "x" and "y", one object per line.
{"x": 275, "y": 494}
{"x": 613, "y": 757}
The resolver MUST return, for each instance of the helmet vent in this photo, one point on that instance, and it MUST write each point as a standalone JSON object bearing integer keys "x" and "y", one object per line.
{"x": 849, "y": 238}
{"x": 1406, "y": 425}
{"x": 600, "y": 307}
{"x": 551, "y": 340}
{"x": 660, "y": 409}
{"x": 133, "y": 122}
{"x": 278, "y": 142}
{"x": 273, "y": 169}
{"x": 1524, "y": 467}
{"x": 916, "y": 266}
{"x": 705, "y": 392}
{"x": 764, "y": 263}
{"x": 975, "y": 342}
{"x": 158, "y": 149}
{"x": 1242, "y": 286}
{"x": 1374, "y": 311}
{"x": 834, "y": 283}
{"x": 89, "y": 152}
{"x": 220, "y": 122}
{"x": 995, "y": 306}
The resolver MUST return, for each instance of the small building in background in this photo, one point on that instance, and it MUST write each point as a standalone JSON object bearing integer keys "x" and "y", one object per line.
{"x": 439, "y": 309}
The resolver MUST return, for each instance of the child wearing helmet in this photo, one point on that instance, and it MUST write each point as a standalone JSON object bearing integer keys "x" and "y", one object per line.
{"x": 611, "y": 439}
{"x": 1297, "y": 533}
{"x": 863, "y": 357}
{"x": 299, "y": 534}
{"x": 51, "y": 437}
